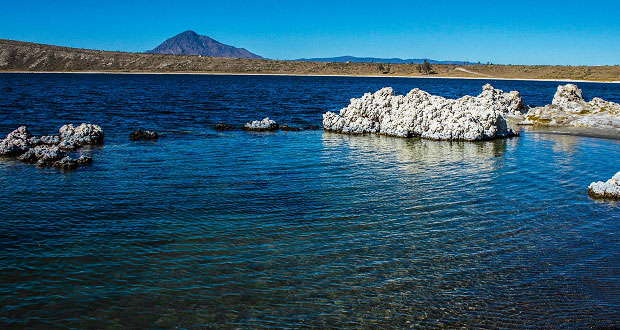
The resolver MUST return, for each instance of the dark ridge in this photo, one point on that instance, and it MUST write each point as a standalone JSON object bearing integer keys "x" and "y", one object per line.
{"x": 353, "y": 59}
{"x": 191, "y": 43}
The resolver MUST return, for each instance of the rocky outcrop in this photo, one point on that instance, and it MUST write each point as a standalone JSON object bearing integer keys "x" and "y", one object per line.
{"x": 51, "y": 150}
{"x": 606, "y": 190}
{"x": 84, "y": 160}
{"x": 72, "y": 137}
{"x": 569, "y": 108}
{"x": 66, "y": 163}
{"x": 223, "y": 127}
{"x": 286, "y": 127}
{"x": 429, "y": 116}
{"x": 17, "y": 142}
{"x": 42, "y": 155}
{"x": 143, "y": 135}
{"x": 261, "y": 125}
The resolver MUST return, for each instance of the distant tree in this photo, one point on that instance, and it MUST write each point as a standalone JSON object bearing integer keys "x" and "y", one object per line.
{"x": 425, "y": 68}
{"x": 385, "y": 69}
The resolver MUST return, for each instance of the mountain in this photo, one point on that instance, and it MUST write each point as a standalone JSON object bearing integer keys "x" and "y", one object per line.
{"x": 191, "y": 43}
{"x": 353, "y": 59}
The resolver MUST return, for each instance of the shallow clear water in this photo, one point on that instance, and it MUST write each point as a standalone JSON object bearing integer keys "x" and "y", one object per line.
{"x": 206, "y": 229}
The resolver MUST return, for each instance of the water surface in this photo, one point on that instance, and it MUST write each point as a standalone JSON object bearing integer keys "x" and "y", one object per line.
{"x": 206, "y": 229}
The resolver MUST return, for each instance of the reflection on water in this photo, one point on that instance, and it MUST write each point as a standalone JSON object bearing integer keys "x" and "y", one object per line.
{"x": 562, "y": 143}
{"x": 415, "y": 154}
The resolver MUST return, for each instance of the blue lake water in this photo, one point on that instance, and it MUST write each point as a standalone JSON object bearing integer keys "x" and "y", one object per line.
{"x": 206, "y": 229}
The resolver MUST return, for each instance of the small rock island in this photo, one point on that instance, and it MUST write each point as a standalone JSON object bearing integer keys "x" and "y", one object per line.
{"x": 606, "y": 190}
{"x": 265, "y": 125}
{"x": 51, "y": 150}
{"x": 141, "y": 134}
{"x": 569, "y": 109}
{"x": 429, "y": 116}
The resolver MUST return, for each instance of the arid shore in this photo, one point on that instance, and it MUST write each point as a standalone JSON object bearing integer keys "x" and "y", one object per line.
{"x": 17, "y": 56}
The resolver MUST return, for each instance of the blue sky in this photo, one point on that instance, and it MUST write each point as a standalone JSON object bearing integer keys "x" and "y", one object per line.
{"x": 527, "y": 32}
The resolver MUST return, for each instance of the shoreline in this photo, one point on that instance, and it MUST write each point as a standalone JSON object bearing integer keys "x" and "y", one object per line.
{"x": 309, "y": 75}
{"x": 591, "y": 132}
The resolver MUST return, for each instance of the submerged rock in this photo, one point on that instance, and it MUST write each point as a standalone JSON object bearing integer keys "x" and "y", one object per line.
{"x": 261, "y": 125}
{"x": 72, "y": 137}
{"x": 84, "y": 160}
{"x": 66, "y": 163}
{"x": 429, "y": 116}
{"x": 223, "y": 127}
{"x": 606, "y": 190}
{"x": 16, "y": 142}
{"x": 143, "y": 135}
{"x": 569, "y": 108}
{"x": 312, "y": 128}
{"x": 286, "y": 127}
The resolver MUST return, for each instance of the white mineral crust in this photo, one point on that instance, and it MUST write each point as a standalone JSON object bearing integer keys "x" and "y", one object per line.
{"x": 609, "y": 189}
{"x": 429, "y": 116}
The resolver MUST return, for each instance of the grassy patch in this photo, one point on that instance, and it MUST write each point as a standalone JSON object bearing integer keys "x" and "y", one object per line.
{"x": 539, "y": 121}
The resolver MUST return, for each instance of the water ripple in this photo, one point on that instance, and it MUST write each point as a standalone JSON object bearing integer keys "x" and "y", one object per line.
{"x": 206, "y": 229}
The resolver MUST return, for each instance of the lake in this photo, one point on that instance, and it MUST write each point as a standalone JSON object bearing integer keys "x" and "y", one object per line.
{"x": 208, "y": 229}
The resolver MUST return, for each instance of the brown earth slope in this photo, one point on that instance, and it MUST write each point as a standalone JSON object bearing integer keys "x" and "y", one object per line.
{"x": 17, "y": 56}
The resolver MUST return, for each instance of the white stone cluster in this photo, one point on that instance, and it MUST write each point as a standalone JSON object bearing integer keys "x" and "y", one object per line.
{"x": 606, "y": 190}
{"x": 429, "y": 116}
{"x": 50, "y": 150}
{"x": 72, "y": 137}
{"x": 569, "y": 108}
{"x": 261, "y": 125}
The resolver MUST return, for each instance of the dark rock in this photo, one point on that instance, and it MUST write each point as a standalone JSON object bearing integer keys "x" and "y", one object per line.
{"x": 84, "y": 160}
{"x": 312, "y": 128}
{"x": 143, "y": 135}
{"x": 66, "y": 163}
{"x": 286, "y": 127}
{"x": 223, "y": 127}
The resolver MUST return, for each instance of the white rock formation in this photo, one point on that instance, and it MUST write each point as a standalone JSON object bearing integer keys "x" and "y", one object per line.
{"x": 606, "y": 190}
{"x": 16, "y": 142}
{"x": 429, "y": 116}
{"x": 72, "y": 137}
{"x": 50, "y": 150}
{"x": 261, "y": 125}
{"x": 569, "y": 108}
{"x": 42, "y": 155}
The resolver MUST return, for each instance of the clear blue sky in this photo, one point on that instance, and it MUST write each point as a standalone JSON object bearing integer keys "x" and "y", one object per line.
{"x": 524, "y": 32}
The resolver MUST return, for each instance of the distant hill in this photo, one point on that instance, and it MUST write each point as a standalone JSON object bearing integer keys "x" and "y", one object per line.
{"x": 353, "y": 59}
{"x": 27, "y": 56}
{"x": 191, "y": 43}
